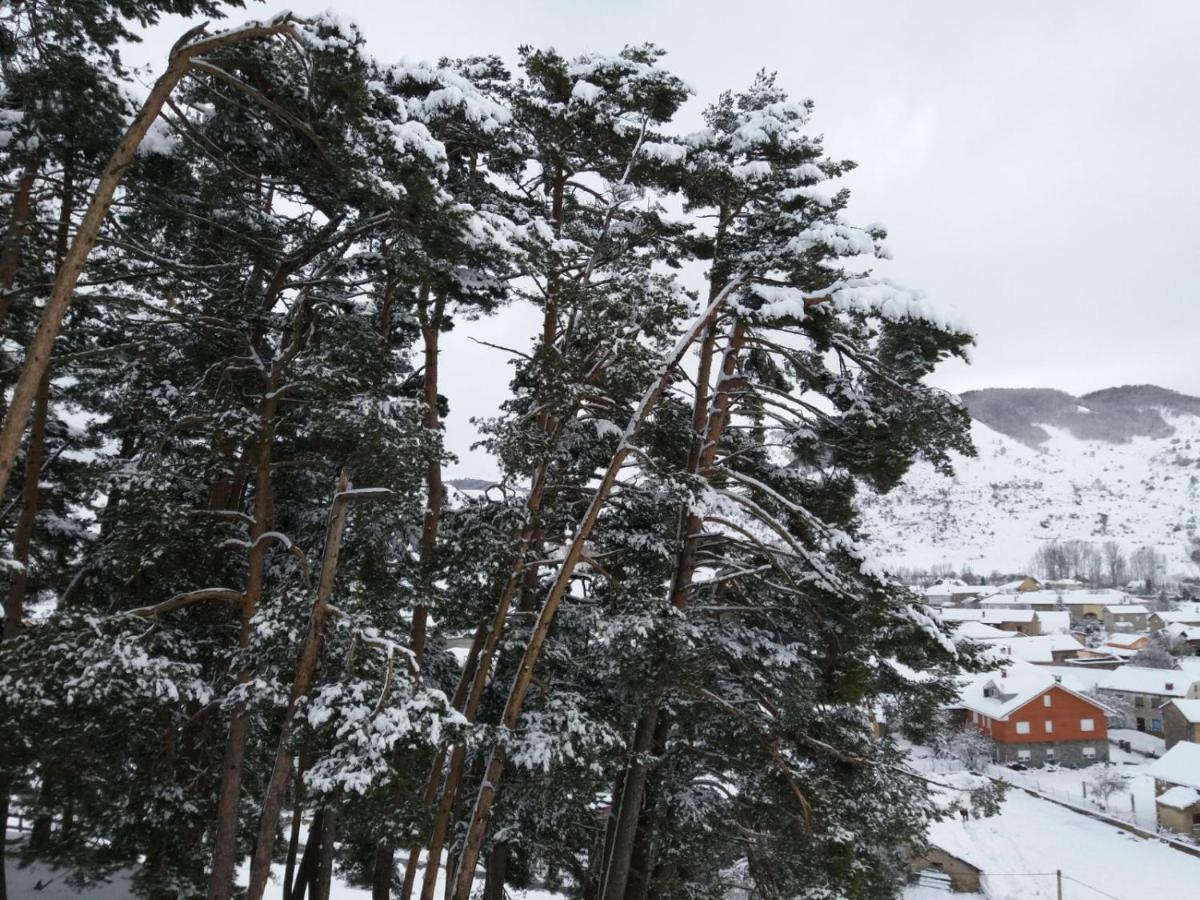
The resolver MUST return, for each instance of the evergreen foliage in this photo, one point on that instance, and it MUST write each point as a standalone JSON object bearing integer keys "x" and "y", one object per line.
{"x": 241, "y": 596}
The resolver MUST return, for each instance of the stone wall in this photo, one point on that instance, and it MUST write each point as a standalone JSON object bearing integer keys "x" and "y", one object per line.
{"x": 1066, "y": 753}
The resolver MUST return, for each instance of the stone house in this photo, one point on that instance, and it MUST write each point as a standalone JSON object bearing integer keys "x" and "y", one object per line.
{"x": 1181, "y": 722}
{"x": 1140, "y": 694}
{"x": 1018, "y": 621}
{"x": 1124, "y": 617}
{"x": 1177, "y": 789}
{"x": 1187, "y": 616}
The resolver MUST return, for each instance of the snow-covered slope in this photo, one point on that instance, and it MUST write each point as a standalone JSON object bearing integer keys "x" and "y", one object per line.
{"x": 1043, "y": 481}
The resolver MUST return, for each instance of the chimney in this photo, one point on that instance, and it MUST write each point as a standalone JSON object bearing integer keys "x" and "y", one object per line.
{"x": 1003, "y": 673}
{"x": 1170, "y": 685}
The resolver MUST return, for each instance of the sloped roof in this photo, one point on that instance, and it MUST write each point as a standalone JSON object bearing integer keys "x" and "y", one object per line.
{"x": 1140, "y": 680}
{"x": 1179, "y": 765}
{"x": 955, "y": 614}
{"x": 1189, "y": 708}
{"x": 1055, "y": 620}
{"x": 1009, "y": 615}
{"x": 980, "y": 631}
{"x": 1135, "y": 608}
{"x": 1102, "y": 597}
{"x": 1014, "y": 687}
{"x": 1041, "y": 647}
{"x": 1179, "y": 797}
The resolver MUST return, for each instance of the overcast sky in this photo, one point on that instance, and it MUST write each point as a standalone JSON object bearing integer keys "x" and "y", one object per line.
{"x": 1036, "y": 163}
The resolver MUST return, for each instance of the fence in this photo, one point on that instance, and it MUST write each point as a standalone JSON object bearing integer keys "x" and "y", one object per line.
{"x": 1122, "y": 805}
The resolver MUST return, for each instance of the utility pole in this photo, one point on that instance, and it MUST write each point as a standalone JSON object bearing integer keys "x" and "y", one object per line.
{"x": 1058, "y": 878}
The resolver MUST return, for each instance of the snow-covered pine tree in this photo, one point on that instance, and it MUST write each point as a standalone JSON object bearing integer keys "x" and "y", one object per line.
{"x": 799, "y": 433}
{"x": 670, "y": 574}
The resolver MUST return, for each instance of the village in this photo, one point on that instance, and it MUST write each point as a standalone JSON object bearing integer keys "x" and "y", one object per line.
{"x": 1088, "y": 707}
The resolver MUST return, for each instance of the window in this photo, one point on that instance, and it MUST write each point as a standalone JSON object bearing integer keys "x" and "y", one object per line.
{"x": 1089, "y": 752}
{"x": 1087, "y": 724}
{"x": 1049, "y": 753}
{"x": 1139, "y": 702}
{"x": 1022, "y": 728}
{"x": 1022, "y": 754}
{"x": 1045, "y": 700}
{"x": 1049, "y": 727}
{"x": 1156, "y": 724}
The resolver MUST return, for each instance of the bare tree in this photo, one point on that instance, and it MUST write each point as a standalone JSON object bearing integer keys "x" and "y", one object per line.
{"x": 1106, "y": 782}
{"x": 1148, "y": 566}
{"x": 1155, "y": 655}
{"x": 1116, "y": 569}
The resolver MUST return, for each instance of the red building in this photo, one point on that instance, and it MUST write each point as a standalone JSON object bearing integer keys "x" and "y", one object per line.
{"x": 1033, "y": 718}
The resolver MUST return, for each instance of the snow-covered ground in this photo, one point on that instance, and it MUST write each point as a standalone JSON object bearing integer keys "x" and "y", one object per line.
{"x": 45, "y": 883}
{"x": 1021, "y": 848}
{"x": 1001, "y": 506}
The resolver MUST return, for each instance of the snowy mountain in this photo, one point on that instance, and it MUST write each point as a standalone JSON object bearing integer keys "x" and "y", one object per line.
{"x": 1121, "y": 464}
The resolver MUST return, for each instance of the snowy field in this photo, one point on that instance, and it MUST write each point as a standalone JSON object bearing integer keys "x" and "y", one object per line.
{"x": 1022, "y": 847}
{"x": 1001, "y": 506}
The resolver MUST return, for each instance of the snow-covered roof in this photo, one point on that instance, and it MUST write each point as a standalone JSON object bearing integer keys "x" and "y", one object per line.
{"x": 979, "y": 631}
{"x": 1077, "y": 678}
{"x": 1179, "y": 765}
{"x": 1119, "y": 651}
{"x": 1130, "y": 608}
{"x": 1009, "y": 615}
{"x": 1010, "y": 587}
{"x": 1127, "y": 641}
{"x": 1140, "y": 680}
{"x": 1102, "y": 597}
{"x": 1041, "y": 648}
{"x": 1189, "y": 708}
{"x": 1187, "y": 631}
{"x": 1179, "y": 617}
{"x": 1053, "y": 621}
{"x": 956, "y": 586}
{"x": 1010, "y": 689}
{"x": 955, "y": 614}
{"x": 1179, "y": 797}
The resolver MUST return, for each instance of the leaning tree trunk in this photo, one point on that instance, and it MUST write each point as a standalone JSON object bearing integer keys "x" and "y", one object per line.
{"x": 306, "y": 669}
{"x": 37, "y": 356}
{"x": 709, "y": 424}
{"x": 493, "y": 775}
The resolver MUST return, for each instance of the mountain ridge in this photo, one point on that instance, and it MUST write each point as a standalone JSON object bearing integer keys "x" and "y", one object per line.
{"x": 1118, "y": 464}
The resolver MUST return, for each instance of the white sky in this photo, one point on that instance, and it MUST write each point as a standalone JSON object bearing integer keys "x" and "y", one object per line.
{"x": 1036, "y": 163}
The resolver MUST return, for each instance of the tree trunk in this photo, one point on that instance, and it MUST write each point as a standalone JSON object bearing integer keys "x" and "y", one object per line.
{"x": 493, "y": 775}
{"x": 220, "y": 885}
{"x": 708, "y": 422}
{"x": 37, "y": 356}
{"x": 306, "y": 669}
{"x": 18, "y": 221}
{"x": 5, "y": 793}
{"x": 495, "y": 868}
{"x": 641, "y": 863}
{"x": 289, "y": 872}
{"x": 306, "y": 874}
{"x": 22, "y": 541}
{"x": 629, "y": 809}
{"x": 324, "y": 877}
{"x": 384, "y": 864}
